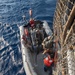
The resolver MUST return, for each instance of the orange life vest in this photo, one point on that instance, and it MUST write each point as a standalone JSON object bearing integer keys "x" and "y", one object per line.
{"x": 48, "y": 61}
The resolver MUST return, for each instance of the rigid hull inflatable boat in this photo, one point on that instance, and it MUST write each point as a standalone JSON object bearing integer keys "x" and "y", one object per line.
{"x": 28, "y": 54}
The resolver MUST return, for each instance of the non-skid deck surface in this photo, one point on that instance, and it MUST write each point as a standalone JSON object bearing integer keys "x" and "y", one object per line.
{"x": 40, "y": 66}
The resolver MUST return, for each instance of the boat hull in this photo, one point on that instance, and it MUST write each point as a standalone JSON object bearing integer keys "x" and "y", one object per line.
{"x": 28, "y": 61}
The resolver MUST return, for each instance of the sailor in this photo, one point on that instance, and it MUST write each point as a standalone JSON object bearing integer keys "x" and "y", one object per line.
{"x": 24, "y": 37}
{"x": 33, "y": 36}
{"x": 39, "y": 36}
{"x": 48, "y": 42}
{"x": 41, "y": 29}
{"x": 30, "y": 13}
{"x": 50, "y": 46}
{"x": 48, "y": 61}
{"x": 24, "y": 40}
{"x": 34, "y": 44}
{"x": 31, "y": 22}
{"x": 26, "y": 32}
{"x": 51, "y": 52}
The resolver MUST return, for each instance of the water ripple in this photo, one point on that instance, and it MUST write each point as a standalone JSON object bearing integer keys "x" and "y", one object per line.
{"x": 11, "y": 12}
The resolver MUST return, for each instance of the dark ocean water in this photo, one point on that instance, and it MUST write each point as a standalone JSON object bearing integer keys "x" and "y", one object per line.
{"x": 11, "y": 12}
